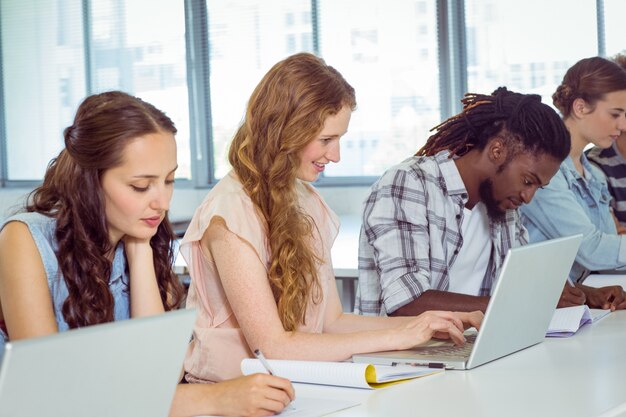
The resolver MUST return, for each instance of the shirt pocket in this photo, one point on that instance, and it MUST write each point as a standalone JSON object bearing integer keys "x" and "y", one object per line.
{"x": 602, "y": 196}
{"x": 587, "y": 196}
{"x": 598, "y": 206}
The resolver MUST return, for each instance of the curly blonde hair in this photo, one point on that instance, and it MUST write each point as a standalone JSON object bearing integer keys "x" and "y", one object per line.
{"x": 286, "y": 112}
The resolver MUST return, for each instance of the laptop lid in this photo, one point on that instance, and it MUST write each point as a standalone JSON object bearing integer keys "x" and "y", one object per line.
{"x": 124, "y": 368}
{"x": 520, "y": 309}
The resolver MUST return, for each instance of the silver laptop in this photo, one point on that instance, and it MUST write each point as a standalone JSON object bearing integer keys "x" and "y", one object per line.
{"x": 126, "y": 368}
{"x": 519, "y": 312}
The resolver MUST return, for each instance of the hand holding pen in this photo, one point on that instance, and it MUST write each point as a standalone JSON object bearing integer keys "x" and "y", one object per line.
{"x": 268, "y": 368}
{"x": 259, "y": 355}
{"x": 571, "y": 296}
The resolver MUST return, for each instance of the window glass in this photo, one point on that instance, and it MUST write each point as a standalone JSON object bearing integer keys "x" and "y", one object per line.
{"x": 247, "y": 37}
{"x": 615, "y": 26}
{"x": 388, "y": 52}
{"x": 521, "y": 45}
{"x": 138, "y": 46}
{"x": 43, "y": 80}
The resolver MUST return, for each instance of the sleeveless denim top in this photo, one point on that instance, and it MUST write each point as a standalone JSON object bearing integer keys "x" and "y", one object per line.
{"x": 42, "y": 229}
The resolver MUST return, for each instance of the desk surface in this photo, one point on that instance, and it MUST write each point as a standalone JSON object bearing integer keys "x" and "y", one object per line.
{"x": 580, "y": 376}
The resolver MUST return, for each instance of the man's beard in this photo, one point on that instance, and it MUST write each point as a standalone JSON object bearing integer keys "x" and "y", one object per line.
{"x": 485, "y": 191}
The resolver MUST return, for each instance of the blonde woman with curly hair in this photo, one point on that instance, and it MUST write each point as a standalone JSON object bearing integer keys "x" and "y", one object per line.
{"x": 258, "y": 247}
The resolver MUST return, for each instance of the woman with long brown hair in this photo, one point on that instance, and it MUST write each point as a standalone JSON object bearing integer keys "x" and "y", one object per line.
{"x": 94, "y": 244}
{"x": 258, "y": 247}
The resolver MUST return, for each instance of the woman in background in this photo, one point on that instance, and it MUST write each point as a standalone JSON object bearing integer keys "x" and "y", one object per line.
{"x": 94, "y": 244}
{"x": 612, "y": 161}
{"x": 258, "y": 247}
{"x": 592, "y": 101}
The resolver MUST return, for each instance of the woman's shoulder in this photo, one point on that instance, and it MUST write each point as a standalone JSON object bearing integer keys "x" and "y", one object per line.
{"x": 42, "y": 230}
{"x": 37, "y": 223}
{"x": 227, "y": 188}
{"x": 226, "y": 198}
{"x": 229, "y": 201}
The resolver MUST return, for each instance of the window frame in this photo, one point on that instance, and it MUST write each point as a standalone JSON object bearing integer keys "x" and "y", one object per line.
{"x": 3, "y": 138}
{"x": 452, "y": 51}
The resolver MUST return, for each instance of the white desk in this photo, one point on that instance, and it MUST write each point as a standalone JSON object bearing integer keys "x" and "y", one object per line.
{"x": 580, "y": 376}
{"x": 604, "y": 280}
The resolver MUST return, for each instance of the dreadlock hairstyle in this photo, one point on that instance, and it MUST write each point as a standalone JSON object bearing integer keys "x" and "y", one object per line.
{"x": 589, "y": 79}
{"x": 285, "y": 113}
{"x": 522, "y": 120}
{"x": 72, "y": 194}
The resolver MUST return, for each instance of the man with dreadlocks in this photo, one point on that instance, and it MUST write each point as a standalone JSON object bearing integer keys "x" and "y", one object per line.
{"x": 436, "y": 227}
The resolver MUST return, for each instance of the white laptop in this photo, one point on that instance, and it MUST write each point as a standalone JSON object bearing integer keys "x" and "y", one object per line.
{"x": 519, "y": 312}
{"x": 126, "y": 368}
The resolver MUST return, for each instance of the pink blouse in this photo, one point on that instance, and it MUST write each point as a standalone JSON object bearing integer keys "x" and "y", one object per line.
{"x": 218, "y": 344}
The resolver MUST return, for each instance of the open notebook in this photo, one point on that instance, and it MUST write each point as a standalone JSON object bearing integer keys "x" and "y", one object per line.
{"x": 345, "y": 374}
{"x": 566, "y": 321}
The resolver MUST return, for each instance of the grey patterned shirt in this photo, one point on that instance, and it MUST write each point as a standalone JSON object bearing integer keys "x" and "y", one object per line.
{"x": 411, "y": 234}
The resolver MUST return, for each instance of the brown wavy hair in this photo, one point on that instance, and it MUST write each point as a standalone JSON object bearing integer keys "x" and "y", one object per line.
{"x": 589, "y": 79}
{"x": 285, "y": 113}
{"x": 72, "y": 194}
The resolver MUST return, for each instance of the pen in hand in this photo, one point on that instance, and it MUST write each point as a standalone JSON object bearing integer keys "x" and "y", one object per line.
{"x": 264, "y": 362}
{"x": 259, "y": 355}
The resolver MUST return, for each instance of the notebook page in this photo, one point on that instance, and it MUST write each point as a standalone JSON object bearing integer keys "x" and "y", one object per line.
{"x": 597, "y": 314}
{"x": 345, "y": 374}
{"x": 313, "y": 407}
{"x": 566, "y": 321}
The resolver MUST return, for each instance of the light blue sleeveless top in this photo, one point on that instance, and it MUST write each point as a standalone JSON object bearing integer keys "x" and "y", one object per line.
{"x": 42, "y": 229}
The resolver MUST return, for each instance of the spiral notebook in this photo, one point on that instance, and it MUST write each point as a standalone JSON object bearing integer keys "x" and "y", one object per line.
{"x": 344, "y": 374}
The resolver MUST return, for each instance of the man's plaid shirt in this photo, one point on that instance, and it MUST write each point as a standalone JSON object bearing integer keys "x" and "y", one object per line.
{"x": 411, "y": 234}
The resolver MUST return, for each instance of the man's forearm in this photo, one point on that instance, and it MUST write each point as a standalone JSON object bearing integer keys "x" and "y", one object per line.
{"x": 443, "y": 300}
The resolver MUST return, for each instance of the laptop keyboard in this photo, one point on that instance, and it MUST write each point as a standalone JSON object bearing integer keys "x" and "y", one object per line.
{"x": 451, "y": 351}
